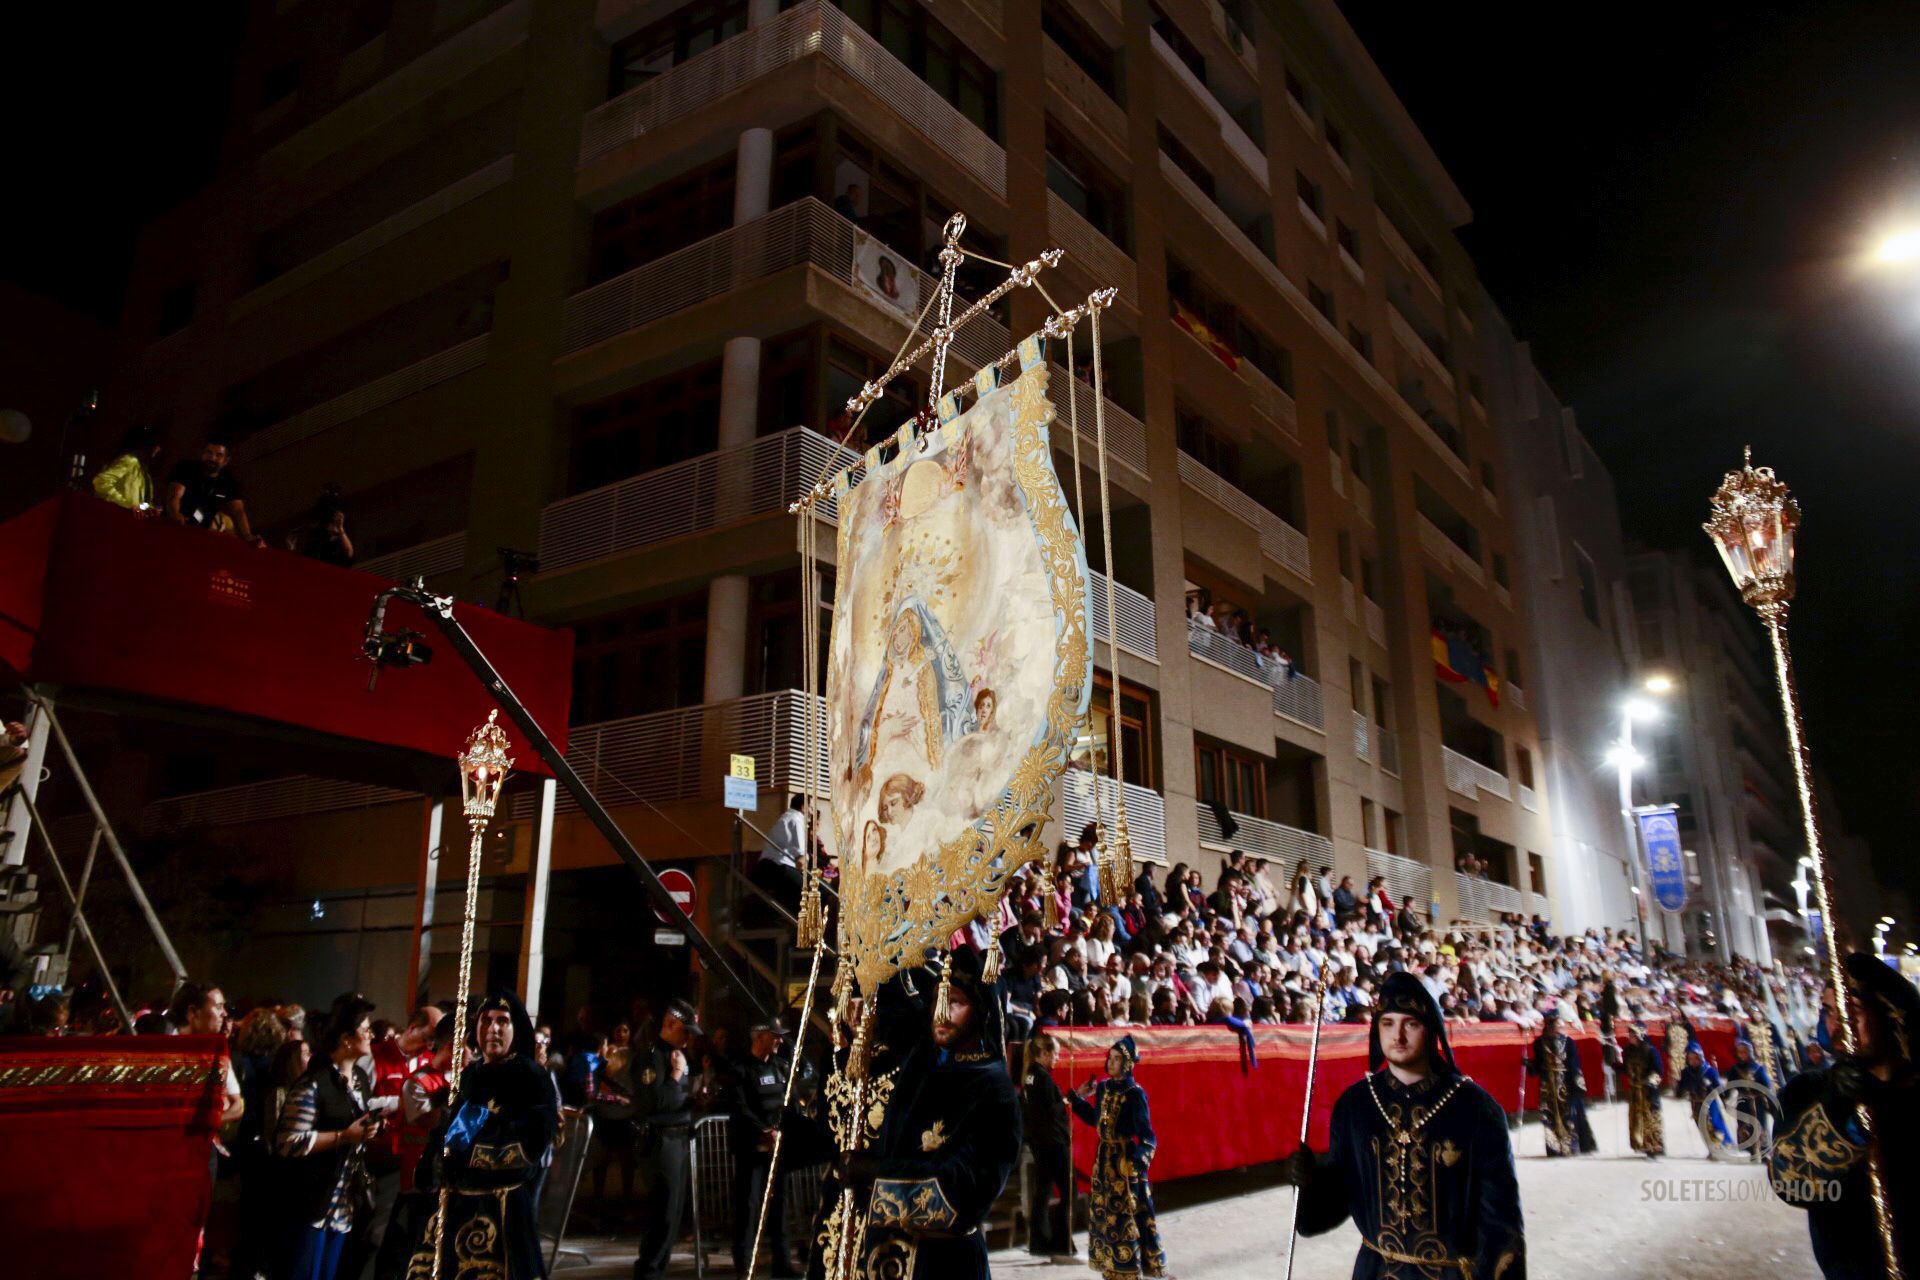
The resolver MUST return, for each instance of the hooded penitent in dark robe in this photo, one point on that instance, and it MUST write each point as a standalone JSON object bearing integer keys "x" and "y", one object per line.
{"x": 1124, "y": 1233}
{"x": 1424, "y": 1170}
{"x": 948, "y": 1142}
{"x": 1555, "y": 1061}
{"x": 1820, "y": 1145}
{"x": 489, "y": 1155}
{"x": 1641, "y": 1070}
{"x": 1698, "y": 1081}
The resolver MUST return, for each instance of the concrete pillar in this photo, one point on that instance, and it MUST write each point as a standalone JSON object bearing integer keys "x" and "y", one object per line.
{"x": 533, "y": 934}
{"x": 752, "y": 175}
{"x": 432, "y": 834}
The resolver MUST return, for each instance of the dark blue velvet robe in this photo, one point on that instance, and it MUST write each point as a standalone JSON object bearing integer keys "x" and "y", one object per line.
{"x": 1555, "y": 1060}
{"x": 1443, "y": 1193}
{"x": 1123, "y": 1230}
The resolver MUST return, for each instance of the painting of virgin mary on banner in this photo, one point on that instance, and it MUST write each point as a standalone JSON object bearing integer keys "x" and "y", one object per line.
{"x": 959, "y": 668}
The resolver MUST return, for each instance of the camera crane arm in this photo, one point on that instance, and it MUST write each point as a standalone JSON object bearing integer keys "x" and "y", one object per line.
{"x": 380, "y": 647}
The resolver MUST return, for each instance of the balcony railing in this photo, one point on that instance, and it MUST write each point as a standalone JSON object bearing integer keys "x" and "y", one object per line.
{"x": 1503, "y": 596}
{"x": 1481, "y": 899}
{"x": 1529, "y": 798}
{"x": 1146, "y": 812}
{"x": 1537, "y": 905}
{"x": 1298, "y": 699}
{"x": 1376, "y": 621}
{"x": 1363, "y": 736}
{"x": 1469, "y": 777}
{"x": 1133, "y": 613}
{"x": 1099, "y": 259}
{"x": 1064, "y": 75}
{"x": 1403, "y": 253}
{"x": 1126, "y": 434}
{"x": 1517, "y": 696}
{"x": 812, "y": 29}
{"x": 708, "y": 492}
{"x": 1406, "y": 877}
{"x": 663, "y": 757}
{"x": 1295, "y": 696}
{"x": 1349, "y": 600}
{"x": 364, "y": 399}
{"x": 805, "y": 232}
{"x": 422, "y": 560}
{"x": 384, "y": 232}
{"x": 1277, "y": 842}
{"x": 1363, "y": 499}
{"x": 1280, "y": 541}
{"x": 1448, "y": 552}
{"x": 1417, "y": 347}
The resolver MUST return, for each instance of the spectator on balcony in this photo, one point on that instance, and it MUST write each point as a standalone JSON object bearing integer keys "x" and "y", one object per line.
{"x": 205, "y": 493}
{"x": 1304, "y": 900}
{"x": 1379, "y": 901}
{"x": 324, "y": 536}
{"x": 1099, "y": 945}
{"x": 127, "y": 481}
{"x": 777, "y": 869}
{"x": 1346, "y": 903}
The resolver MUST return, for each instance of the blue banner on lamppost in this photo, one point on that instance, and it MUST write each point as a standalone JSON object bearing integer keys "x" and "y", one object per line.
{"x": 1666, "y": 864}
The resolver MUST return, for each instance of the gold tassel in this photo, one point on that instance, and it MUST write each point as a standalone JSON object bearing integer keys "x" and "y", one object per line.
{"x": 990, "y": 967}
{"x": 810, "y": 922}
{"x": 1122, "y": 862}
{"x": 857, "y": 1055}
{"x": 942, "y": 1004}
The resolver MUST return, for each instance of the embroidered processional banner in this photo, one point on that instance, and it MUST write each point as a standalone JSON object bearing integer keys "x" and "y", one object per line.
{"x": 959, "y": 668}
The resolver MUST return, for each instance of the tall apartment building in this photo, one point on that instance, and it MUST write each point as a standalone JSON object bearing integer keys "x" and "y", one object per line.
{"x": 1571, "y": 567}
{"x": 585, "y": 279}
{"x": 1720, "y": 756}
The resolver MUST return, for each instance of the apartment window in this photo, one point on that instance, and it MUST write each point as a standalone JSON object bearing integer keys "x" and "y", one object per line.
{"x": 1310, "y": 194}
{"x": 652, "y": 658}
{"x": 1186, "y": 161}
{"x": 279, "y": 83}
{"x": 848, "y": 370}
{"x": 1343, "y": 553}
{"x": 669, "y": 217}
{"x": 1523, "y": 765}
{"x": 1321, "y": 299}
{"x": 1083, "y": 45}
{"x": 666, "y": 421}
{"x": 1395, "y": 833}
{"x": 930, "y": 51}
{"x": 1208, "y": 447}
{"x": 1298, "y": 91}
{"x": 1336, "y": 138}
{"x": 1135, "y": 727}
{"x": 1487, "y": 480}
{"x": 1264, "y": 354}
{"x": 1357, "y": 685}
{"x": 774, "y": 628}
{"x": 663, "y": 45}
{"x": 176, "y": 309}
{"x": 1369, "y": 579}
{"x": 1589, "y": 584}
{"x": 1360, "y": 340}
{"x": 1183, "y": 48}
{"x": 1474, "y": 388}
{"x": 1344, "y": 236}
{"x": 1513, "y": 667}
{"x": 1231, "y": 778}
{"x": 1382, "y": 699}
{"x": 1333, "y": 431}
{"x": 1086, "y": 188}
{"x": 1500, "y": 570}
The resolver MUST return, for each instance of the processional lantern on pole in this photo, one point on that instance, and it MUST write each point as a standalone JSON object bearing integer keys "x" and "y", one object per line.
{"x": 484, "y": 766}
{"x": 1754, "y": 523}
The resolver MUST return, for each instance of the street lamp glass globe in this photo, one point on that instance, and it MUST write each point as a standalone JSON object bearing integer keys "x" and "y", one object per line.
{"x": 1658, "y": 683}
{"x": 1898, "y": 248}
{"x": 1641, "y": 709}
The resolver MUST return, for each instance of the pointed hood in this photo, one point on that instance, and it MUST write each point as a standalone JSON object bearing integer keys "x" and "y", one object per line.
{"x": 964, "y": 973}
{"x": 1890, "y": 1000}
{"x": 1404, "y": 993}
{"x": 1129, "y": 1052}
{"x": 522, "y": 1023}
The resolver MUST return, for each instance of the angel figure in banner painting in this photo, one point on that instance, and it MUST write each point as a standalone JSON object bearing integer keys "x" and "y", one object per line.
{"x": 1124, "y": 1233}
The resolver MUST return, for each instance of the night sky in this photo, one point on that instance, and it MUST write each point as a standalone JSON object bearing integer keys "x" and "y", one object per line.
{"x": 1669, "y": 204}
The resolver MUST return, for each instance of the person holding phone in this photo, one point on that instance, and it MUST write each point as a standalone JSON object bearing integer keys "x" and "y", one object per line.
{"x": 322, "y": 1131}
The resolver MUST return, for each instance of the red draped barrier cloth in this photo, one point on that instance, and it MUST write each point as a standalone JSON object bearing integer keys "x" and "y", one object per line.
{"x": 104, "y": 1144}
{"x": 1210, "y": 1114}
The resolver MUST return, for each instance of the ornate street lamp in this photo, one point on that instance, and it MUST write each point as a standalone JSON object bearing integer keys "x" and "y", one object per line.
{"x": 1753, "y": 525}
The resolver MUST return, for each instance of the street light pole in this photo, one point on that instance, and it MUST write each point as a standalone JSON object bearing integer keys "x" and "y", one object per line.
{"x": 1624, "y": 757}
{"x": 1754, "y": 520}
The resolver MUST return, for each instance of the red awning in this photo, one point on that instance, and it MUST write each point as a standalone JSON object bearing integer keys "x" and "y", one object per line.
{"x": 96, "y": 600}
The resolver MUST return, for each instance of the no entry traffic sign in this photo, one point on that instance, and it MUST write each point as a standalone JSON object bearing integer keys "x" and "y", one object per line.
{"x": 680, "y": 885}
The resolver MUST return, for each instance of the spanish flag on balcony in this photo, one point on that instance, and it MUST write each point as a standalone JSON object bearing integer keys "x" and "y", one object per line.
{"x": 1456, "y": 661}
{"x": 1194, "y": 325}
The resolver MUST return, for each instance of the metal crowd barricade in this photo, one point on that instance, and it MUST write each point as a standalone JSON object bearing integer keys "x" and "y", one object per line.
{"x": 803, "y": 1205}
{"x": 563, "y": 1181}
{"x": 712, "y": 1189}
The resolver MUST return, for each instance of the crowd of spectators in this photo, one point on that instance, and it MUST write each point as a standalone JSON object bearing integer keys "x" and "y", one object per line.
{"x": 1237, "y": 625}
{"x": 1181, "y": 952}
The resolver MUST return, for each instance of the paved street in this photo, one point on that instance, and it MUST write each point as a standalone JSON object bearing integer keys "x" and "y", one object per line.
{"x": 1606, "y": 1206}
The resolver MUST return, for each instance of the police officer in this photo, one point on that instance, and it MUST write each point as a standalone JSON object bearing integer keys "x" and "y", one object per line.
{"x": 662, "y": 1098}
{"x": 757, "y": 1108}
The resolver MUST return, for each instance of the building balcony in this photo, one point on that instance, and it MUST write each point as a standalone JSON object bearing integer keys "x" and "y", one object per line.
{"x": 1529, "y": 798}
{"x": 1279, "y": 541}
{"x": 1376, "y": 621}
{"x": 1291, "y": 848}
{"x": 1403, "y": 254}
{"x": 814, "y": 30}
{"x": 1481, "y": 900}
{"x": 1134, "y": 616}
{"x": 1468, "y": 777}
{"x": 1252, "y": 160}
{"x": 364, "y": 399}
{"x": 422, "y": 560}
{"x": 1081, "y": 792}
{"x": 804, "y": 233}
{"x": 1405, "y": 877}
{"x": 1376, "y": 744}
{"x": 1271, "y": 401}
{"x": 1065, "y": 78}
{"x": 709, "y": 492}
{"x": 1515, "y": 694}
{"x": 1295, "y": 696}
{"x": 1094, "y": 260}
{"x": 1437, "y": 544}
{"x": 1417, "y": 346}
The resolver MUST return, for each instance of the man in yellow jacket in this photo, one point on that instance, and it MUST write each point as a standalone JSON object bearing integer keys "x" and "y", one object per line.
{"x": 127, "y": 481}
